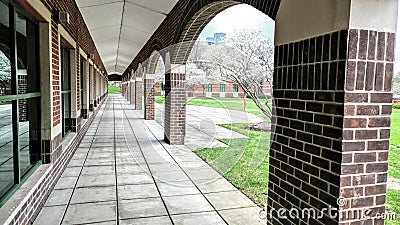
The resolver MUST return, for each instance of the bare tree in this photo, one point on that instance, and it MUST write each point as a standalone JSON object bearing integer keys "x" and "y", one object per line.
{"x": 246, "y": 57}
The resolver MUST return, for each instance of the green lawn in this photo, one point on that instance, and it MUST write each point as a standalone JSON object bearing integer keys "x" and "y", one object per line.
{"x": 226, "y": 103}
{"x": 244, "y": 163}
{"x": 393, "y": 196}
{"x": 159, "y": 99}
{"x": 114, "y": 90}
{"x": 236, "y": 161}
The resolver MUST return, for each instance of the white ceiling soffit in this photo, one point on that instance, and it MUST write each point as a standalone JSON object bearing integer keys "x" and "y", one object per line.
{"x": 120, "y": 28}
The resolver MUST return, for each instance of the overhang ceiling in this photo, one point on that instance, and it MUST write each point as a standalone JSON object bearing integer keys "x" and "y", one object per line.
{"x": 120, "y": 28}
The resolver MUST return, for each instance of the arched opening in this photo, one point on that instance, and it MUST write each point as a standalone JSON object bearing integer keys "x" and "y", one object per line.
{"x": 224, "y": 128}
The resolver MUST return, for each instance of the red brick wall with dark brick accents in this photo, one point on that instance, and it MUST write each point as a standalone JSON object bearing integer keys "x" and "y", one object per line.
{"x": 175, "y": 100}
{"x": 55, "y": 46}
{"x": 366, "y": 129}
{"x": 305, "y": 155}
{"x": 149, "y": 113}
{"x": 171, "y": 29}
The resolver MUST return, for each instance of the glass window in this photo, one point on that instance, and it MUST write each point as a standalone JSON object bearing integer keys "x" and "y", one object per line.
{"x": 209, "y": 88}
{"x": 20, "y": 131}
{"x": 235, "y": 88}
{"x": 66, "y": 91}
{"x": 222, "y": 88}
{"x": 6, "y": 128}
{"x": 82, "y": 80}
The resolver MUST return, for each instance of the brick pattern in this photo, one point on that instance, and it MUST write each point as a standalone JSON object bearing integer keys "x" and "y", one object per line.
{"x": 366, "y": 129}
{"x": 55, "y": 57}
{"x": 305, "y": 154}
{"x": 30, "y": 207}
{"x": 175, "y": 108}
{"x": 149, "y": 113}
{"x": 138, "y": 95}
{"x": 22, "y": 103}
{"x": 132, "y": 92}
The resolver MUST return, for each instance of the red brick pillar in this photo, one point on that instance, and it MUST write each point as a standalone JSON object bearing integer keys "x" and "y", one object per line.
{"x": 332, "y": 88}
{"x": 175, "y": 105}
{"x": 138, "y": 93}
{"x": 131, "y": 92}
{"x": 149, "y": 97}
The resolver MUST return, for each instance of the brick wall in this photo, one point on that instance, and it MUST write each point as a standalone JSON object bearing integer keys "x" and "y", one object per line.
{"x": 149, "y": 99}
{"x": 306, "y": 150}
{"x": 138, "y": 94}
{"x": 175, "y": 105}
{"x": 55, "y": 51}
{"x": 368, "y": 105}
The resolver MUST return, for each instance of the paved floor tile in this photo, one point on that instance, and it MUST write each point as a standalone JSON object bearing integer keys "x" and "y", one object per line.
{"x": 162, "y": 220}
{"x": 98, "y": 170}
{"x": 204, "y": 218}
{"x": 229, "y": 200}
{"x": 216, "y": 185}
{"x": 93, "y": 194}
{"x": 140, "y": 178}
{"x": 90, "y": 213}
{"x": 96, "y": 181}
{"x": 127, "y": 192}
{"x": 71, "y": 172}
{"x": 187, "y": 204}
{"x": 248, "y": 216}
{"x": 139, "y": 208}
{"x": 66, "y": 183}
{"x": 177, "y": 188}
{"x": 50, "y": 215}
{"x": 59, "y": 197}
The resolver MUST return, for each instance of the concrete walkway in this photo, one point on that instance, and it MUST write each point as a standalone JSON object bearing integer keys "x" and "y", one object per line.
{"x": 201, "y": 125}
{"x": 123, "y": 173}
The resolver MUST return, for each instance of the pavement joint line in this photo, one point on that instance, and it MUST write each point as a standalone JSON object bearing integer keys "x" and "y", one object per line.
{"x": 186, "y": 174}
{"x": 115, "y": 169}
{"x": 158, "y": 189}
{"x": 76, "y": 182}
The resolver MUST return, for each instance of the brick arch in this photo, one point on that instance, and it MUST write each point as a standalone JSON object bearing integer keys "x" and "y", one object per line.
{"x": 175, "y": 25}
{"x": 151, "y": 62}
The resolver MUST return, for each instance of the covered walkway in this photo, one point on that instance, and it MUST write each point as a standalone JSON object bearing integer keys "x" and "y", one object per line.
{"x": 124, "y": 173}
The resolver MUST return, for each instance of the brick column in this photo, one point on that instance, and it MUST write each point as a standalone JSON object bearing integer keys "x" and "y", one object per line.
{"x": 175, "y": 105}
{"x": 149, "y": 97}
{"x": 138, "y": 94}
{"x": 333, "y": 104}
{"x": 131, "y": 92}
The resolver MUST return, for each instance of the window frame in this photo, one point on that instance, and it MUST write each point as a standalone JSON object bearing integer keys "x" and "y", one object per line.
{"x": 19, "y": 176}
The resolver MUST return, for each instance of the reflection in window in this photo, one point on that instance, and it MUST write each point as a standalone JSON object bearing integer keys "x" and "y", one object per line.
{"x": 20, "y": 140}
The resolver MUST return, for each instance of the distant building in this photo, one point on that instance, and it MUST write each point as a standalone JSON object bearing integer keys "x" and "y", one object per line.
{"x": 217, "y": 39}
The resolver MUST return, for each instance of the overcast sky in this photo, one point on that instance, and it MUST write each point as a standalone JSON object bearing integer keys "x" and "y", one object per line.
{"x": 245, "y": 16}
{"x": 239, "y": 17}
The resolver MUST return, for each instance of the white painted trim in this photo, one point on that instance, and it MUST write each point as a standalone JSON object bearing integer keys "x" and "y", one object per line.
{"x": 41, "y": 9}
{"x": 83, "y": 54}
{"x": 66, "y": 35}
